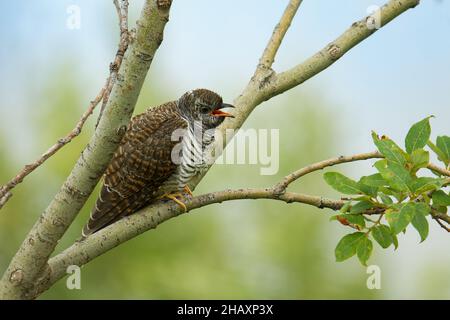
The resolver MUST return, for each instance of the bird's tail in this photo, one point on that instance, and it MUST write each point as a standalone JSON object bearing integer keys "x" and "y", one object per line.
{"x": 109, "y": 208}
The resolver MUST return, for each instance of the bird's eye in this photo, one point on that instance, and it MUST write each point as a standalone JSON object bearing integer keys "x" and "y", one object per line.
{"x": 204, "y": 109}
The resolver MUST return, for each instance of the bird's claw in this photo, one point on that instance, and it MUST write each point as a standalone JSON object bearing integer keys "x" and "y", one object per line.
{"x": 188, "y": 190}
{"x": 173, "y": 197}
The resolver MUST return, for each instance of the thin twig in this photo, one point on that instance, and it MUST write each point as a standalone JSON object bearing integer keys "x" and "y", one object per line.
{"x": 5, "y": 198}
{"x": 443, "y": 226}
{"x": 5, "y": 193}
{"x": 281, "y": 187}
{"x": 122, "y": 13}
{"x": 441, "y": 171}
{"x": 278, "y": 34}
{"x": 439, "y": 217}
{"x": 103, "y": 95}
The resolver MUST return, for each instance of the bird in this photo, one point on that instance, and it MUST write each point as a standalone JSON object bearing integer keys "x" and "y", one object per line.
{"x": 162, "y": 150}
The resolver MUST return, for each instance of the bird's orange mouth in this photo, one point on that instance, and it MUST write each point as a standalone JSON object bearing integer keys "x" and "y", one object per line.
{"x": 219, "y": 113}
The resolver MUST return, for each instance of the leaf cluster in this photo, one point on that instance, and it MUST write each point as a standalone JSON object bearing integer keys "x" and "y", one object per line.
{"x": 403, "y": 192}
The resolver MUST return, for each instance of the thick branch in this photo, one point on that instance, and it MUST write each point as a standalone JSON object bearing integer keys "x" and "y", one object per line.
{"x": 106, "y": 239}
{"x": 31, "y": 259}
{"x": 358, "y": 32}
{"x": 268, "y": 56}
{"x": 149, "y": 218}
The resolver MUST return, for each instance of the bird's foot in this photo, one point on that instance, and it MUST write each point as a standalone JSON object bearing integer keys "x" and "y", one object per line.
{"x": 188, "y": 190}
{"x": 174, "y": 197}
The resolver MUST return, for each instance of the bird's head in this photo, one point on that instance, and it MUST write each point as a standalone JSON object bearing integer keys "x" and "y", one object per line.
{"x": 204, "y": 106}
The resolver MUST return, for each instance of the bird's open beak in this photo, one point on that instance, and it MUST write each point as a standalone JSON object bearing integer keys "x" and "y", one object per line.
{"x": 219, "y": 113}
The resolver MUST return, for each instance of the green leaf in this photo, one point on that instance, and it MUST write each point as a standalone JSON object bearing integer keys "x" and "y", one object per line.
{"x": 441, "y": 155}
{"x": 421, "y": 224}
{"x": 395, "y": 241}
{"x": 369, "y": 184}
{"x": 399, "y": 220}
{"x": 364, "y": 250}
{"x": 341, "y": 183}
{"x": 389, "y": 191}
{"x": 443, "y": 143}
{"x": 368, "y": 190}
{"x": 418, "y": 135}
{"x": 389, "y": 149}
{"x": 374, "y": 180}
{"x": 361, "y": 207}
{"x": 419, "y": 159}
{"x": 426, "y": 184}
{"x": 382, "y": 235}
{"x": 440, "y": 198}
{"x": 333, "y": 217}
{"x": 440, "y": 209}
{"x": 355, "y": 219}
{"x": 386, "y": 199}
{"x": 396, "y": 175}
{"x": 346, "y": 248}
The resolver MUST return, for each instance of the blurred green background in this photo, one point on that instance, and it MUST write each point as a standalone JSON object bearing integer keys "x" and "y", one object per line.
{"x": 243, "y": 249}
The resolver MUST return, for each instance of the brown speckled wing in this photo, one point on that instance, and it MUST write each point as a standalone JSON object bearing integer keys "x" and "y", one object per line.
{"x": 141, "y": 164}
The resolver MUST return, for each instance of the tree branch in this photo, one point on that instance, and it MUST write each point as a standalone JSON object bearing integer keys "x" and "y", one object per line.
{"x": 439, "y": 217}
{"x": 281, "y": 187}
{"x": 30, "y": 262}
{"x": 266, "y": 84}
{"x": 441, "y": 171}
{"x": 81, "y": 252}
{"x": 358, "y": 32}
{"x": 268, "y": 56}
{"x": 122, "y": 14}
{"x": 148, "y": 218}
{"x": 5, "y": 193}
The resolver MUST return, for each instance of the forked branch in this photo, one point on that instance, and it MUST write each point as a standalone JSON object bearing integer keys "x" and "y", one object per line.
{"x": 129, "y": 227}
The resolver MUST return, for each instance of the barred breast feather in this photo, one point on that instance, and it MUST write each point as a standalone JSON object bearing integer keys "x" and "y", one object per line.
{"x": 139, "y": 167}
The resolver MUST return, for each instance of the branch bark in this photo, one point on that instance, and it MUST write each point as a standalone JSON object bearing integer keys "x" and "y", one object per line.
{"x": 281, "y": 187}
{"x": 30, "y": 262}
{"x": 268, "y": 56}
{"x": 358, "y": 32}
{"x": 129, "y": 227}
